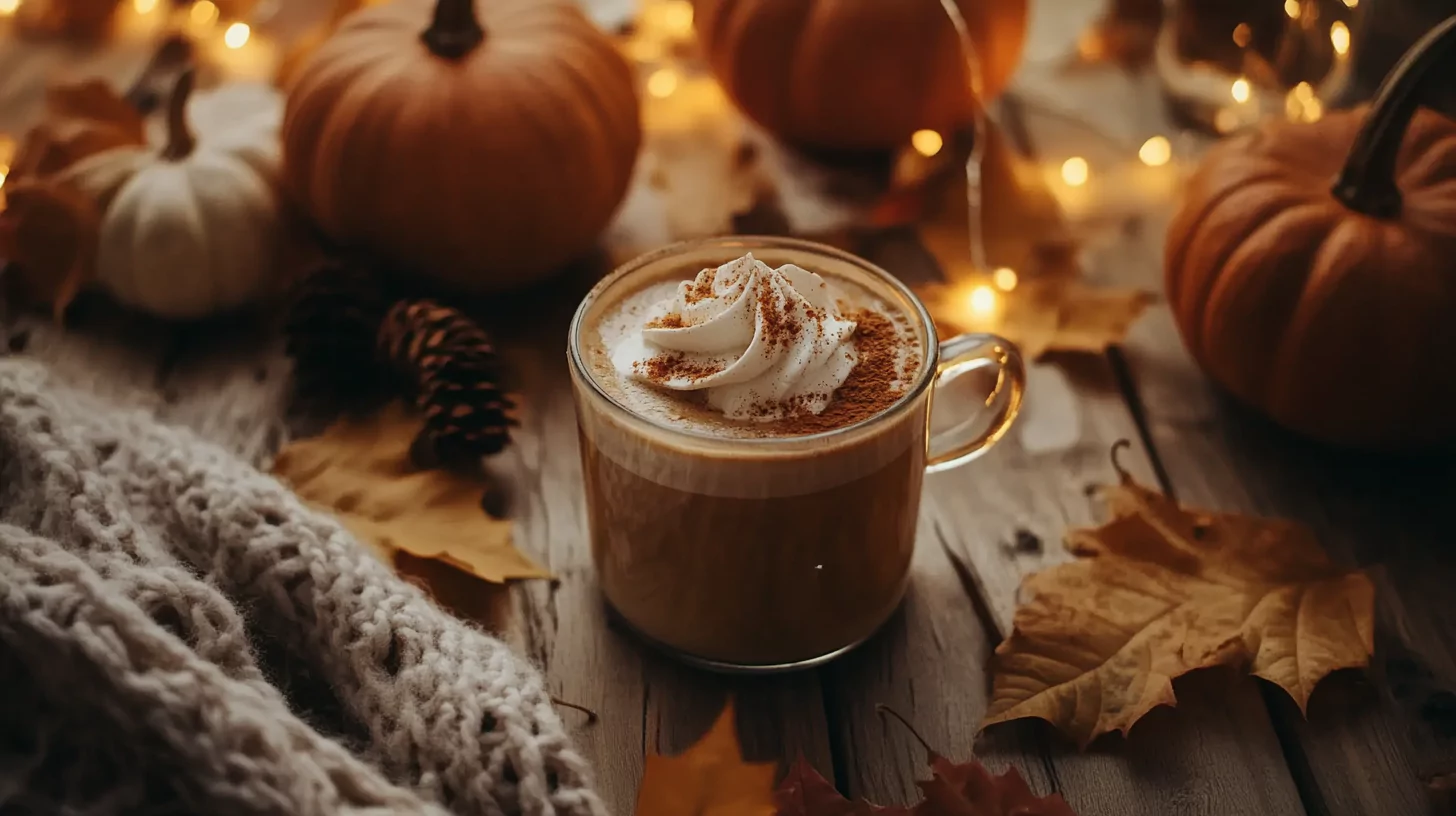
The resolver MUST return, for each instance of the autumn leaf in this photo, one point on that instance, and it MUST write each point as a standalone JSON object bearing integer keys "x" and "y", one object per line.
{"x": 708, "y": 779}
{"x": 1040, "y": 301}
{"x": 80, "y": 120}
{"x": 954, "y": 789}
{"x": 48, "y": 227}
{"x": 1160, "y": 590}
{"x": 49, "y": 231}
{"x": 359, "y": 470}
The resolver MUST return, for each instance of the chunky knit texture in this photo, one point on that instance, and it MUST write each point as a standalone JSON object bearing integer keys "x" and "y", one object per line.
{"x": 140, "y": 567}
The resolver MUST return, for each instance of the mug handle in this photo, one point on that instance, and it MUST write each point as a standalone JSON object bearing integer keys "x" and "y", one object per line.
{"x": 963, "y": 354}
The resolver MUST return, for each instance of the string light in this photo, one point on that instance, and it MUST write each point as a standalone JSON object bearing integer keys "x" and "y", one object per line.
{"x": 677, "y": 18}
{"x": 144, "y": 6}
{"x": 1156, "y": 151}
{"x": 1243, "y": 35}
{"x": 1240, "y": 90}
{"x": 1340, "y": 37}
{"x": 1075, "y": 171}
{"x": 662, "y": 83}
{"x": 1301, "y": 105}
{"x": 1291, "y": 7}
{"x": 1351, "y": 3}
{"x": 8, "y": 7}
{"x": 236, "y": 35}
{"x": 983, "y": 300}
{"x": 926, "y": 142}
{"x": 1225, "y": 121}
{"x": 1004, "y": 278}
{"x": 203, "y": 14}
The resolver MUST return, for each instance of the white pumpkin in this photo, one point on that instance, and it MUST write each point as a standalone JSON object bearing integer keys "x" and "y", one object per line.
{"x": 192, "y": 220}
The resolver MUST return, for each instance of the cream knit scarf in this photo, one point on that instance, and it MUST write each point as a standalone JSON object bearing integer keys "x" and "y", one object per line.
{"x": 140, "y": 571}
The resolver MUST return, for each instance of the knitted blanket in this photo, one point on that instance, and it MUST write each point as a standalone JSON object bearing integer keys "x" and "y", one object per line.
{"x": 140, "y": 571}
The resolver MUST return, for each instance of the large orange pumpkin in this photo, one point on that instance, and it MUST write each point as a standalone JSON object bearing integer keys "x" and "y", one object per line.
{"x": 856, "y": 75}
{"x": 482, "y": 143}
{"x": 1331, "y": 310}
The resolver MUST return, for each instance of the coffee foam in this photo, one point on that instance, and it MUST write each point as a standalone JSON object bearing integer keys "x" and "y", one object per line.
{"x": 657, "y": 449}
{"x": 687, "y": 411}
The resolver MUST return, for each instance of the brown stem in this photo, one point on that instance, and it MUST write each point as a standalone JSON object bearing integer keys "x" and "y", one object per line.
{"x": 174, "y": 51}
{"x": 1367, "y": 183}
{"x": 455, "y": 31}
{"x": 591, "y": 716}
{"x": 180, "y": 141}
{"x": 882, "y": 710}
{"x": 1117, "y": 448}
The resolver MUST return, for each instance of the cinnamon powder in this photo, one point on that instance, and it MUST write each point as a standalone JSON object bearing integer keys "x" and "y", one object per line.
{"x": 870, "y": 389}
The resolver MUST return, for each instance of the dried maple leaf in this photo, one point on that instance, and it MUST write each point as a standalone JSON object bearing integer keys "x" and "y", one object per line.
{"x": 359, "y": 470}
{"x": 1159, "y": 591}
{"x": 708, "y": 779}
{"x": 954, "y": 789}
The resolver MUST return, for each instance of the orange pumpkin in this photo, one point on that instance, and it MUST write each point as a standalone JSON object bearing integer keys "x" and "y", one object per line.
{"x": 483, "y": 144}
{"x": 856, "y": 75}
{"x": 1333, "y": 311}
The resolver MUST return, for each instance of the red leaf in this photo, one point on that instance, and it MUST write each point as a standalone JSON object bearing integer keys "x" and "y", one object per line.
{"x": 968, "y": 789}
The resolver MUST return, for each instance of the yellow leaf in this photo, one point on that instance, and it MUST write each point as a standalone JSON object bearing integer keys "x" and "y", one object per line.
{"x": 359, "y": 470}
{"x": 1054, "y": 313}
{"x": 708, "y": 779}
{"x": 1160, "y": 590}
{"x": 1047, "y": 306}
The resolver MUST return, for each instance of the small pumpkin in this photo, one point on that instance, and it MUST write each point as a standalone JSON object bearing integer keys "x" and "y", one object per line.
{"x": 191, "y": 224}
{"x": 482, "y": 144}
{"x": 861, "y": 75}
{"x": 1333, "y": 311}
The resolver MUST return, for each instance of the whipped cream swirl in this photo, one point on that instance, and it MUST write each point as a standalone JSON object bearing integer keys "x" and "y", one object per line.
{"x": 763, "y": 343}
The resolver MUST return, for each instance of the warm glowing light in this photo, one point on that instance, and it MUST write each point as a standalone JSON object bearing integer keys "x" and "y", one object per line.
{"x": 236, "y": 35}
{"x": 1291, "y": 7}
{"x": 1301, "y": 105}
{"x": 1242, "y": 34}
{"x": 662, "y": 83}
{"x": 677, "y": 17}
{"x": 1351, "y": 3}
{"x": 8, "y": 7}
{"x": 203, "y": 13}
{"x": 983, "y": 300}
{"x": 4, "y": 171}
{"x": 1225, "y": 121}
{"x": 1240, "y": 90}
{"x": 1004, "y": 278}
{"x": 926, "y": 142}
{"x": 1156, "y": 151}
{"x": 1340, "y": 37}
{"x": 144, "y": 6}
{"x": 1075, "y": 171}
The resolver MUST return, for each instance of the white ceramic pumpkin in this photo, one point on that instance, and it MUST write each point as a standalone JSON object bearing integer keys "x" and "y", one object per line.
{"x": 192, "y": 220}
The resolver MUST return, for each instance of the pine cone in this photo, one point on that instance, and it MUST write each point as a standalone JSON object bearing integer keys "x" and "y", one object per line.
{"x": 330, "y": 328}
{"x": 452, "y": 368}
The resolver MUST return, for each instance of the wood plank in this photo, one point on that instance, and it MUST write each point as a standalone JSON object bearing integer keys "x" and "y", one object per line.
{"x": 102, "y": 348}
{"x": 228, "y": 380}
{"x": 1216, "y": 754}
{"x": 1366, "y": 746}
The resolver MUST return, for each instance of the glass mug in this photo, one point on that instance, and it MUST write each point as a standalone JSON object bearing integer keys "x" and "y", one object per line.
{"x": 776, "y": 553}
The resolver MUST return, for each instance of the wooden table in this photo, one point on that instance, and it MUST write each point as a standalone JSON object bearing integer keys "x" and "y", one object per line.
{"x": 1233, "y": 746}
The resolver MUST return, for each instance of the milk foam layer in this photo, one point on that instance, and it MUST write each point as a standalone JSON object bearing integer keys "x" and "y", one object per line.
{"x": 762, "y": 343}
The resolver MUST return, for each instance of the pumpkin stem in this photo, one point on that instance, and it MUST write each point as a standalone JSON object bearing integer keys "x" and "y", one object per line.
{"x": 1367, "y": 184}
{"x": 180, "y": 141}
{"x": 455, "y": 30}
